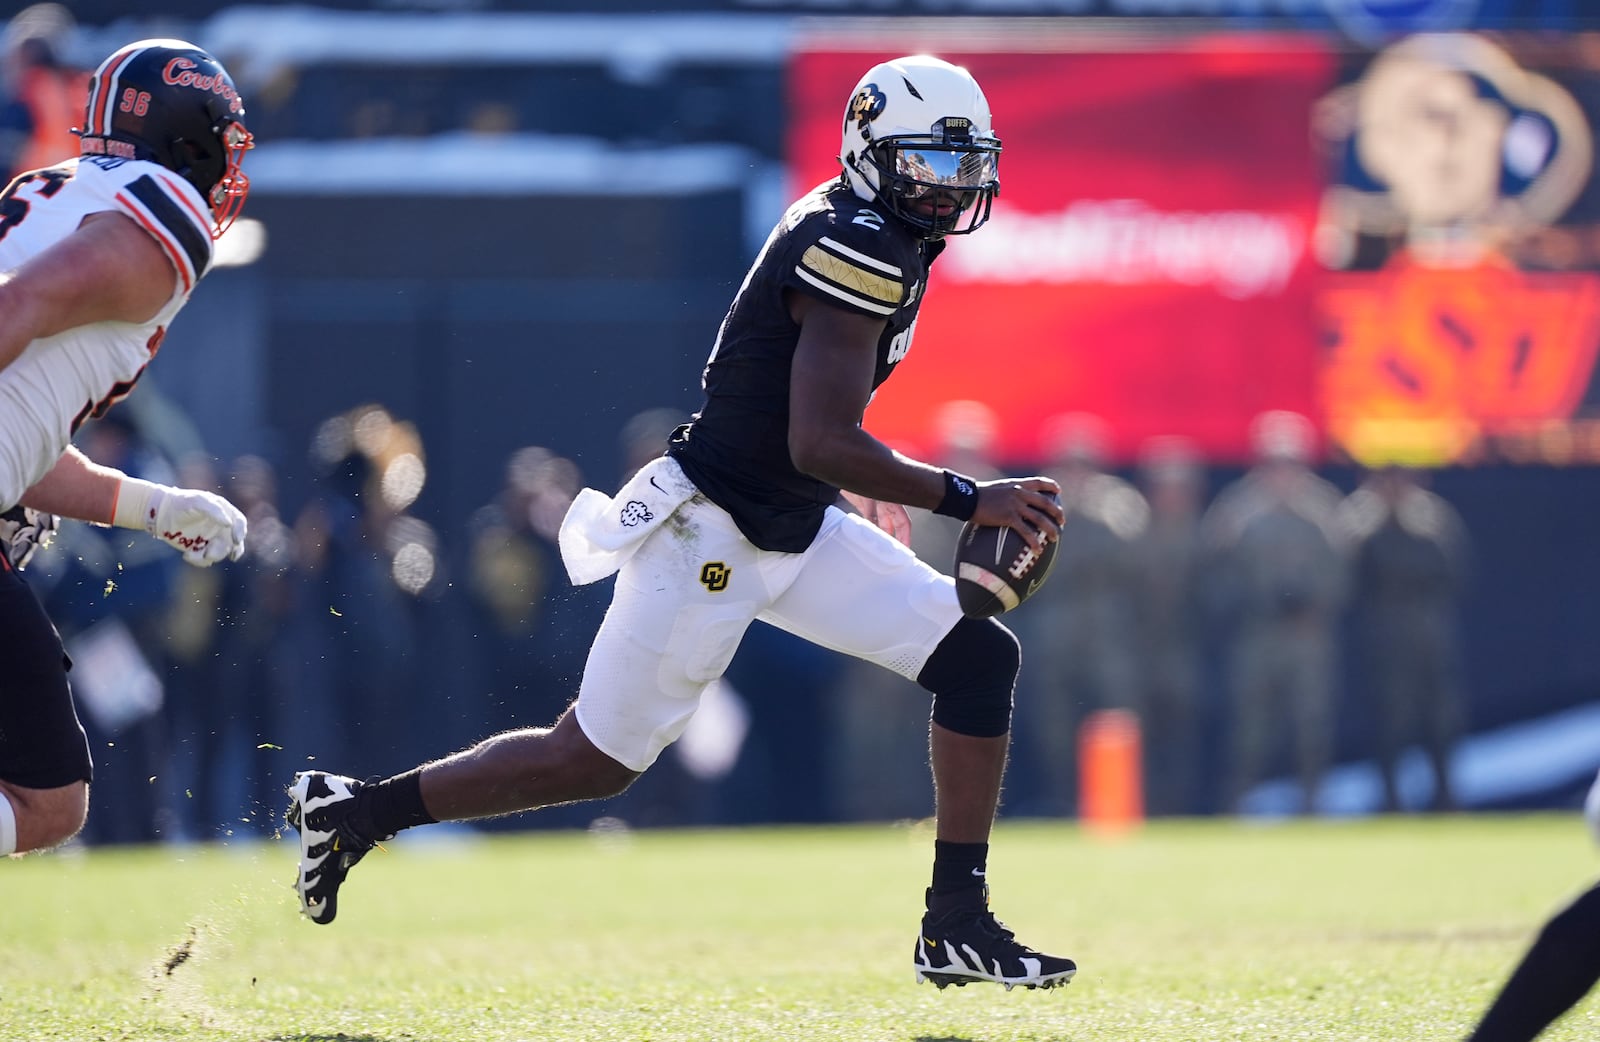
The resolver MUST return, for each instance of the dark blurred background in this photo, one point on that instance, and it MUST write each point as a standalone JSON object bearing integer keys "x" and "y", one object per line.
{"x": 1318, "y": 386}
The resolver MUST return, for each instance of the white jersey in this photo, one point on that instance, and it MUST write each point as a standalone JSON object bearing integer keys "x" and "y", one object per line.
{"x": 59, "y": 382}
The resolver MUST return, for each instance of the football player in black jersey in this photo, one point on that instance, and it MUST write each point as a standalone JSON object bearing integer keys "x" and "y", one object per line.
{"x": 743, "y": 518}
{"x": 98, "y": 254}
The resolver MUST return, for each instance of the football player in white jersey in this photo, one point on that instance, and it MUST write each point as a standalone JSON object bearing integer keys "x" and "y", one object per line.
{"x": 742, "y": 519}
{"x": 97, "y": 255}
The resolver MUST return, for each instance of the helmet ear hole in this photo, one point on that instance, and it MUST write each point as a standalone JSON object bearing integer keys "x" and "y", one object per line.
{"x": 194, "y": 151}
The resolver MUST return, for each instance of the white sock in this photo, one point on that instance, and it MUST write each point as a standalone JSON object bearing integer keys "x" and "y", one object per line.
{"x": 8, "y": 827}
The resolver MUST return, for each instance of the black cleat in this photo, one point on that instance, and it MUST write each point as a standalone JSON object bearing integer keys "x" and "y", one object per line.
{"x": 319, "y": 809}
{"x": 962, "y": 942}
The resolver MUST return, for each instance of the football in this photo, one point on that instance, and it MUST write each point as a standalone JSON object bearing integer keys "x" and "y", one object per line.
{"x": 995, "y": 570}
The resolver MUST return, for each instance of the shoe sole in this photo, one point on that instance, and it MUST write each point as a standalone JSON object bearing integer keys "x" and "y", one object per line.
{"x": 295, "y": 817}
{"x": 960, "y": 980}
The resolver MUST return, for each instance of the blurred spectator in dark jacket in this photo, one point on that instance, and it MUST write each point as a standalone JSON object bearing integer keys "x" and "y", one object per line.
{"x": 1079, "y": 632}
{"x": 204, "y": 777}
{"x": 1279, "y": 570}
{"x": 356, "y": 689}
{"x": 1411, "y": 560}
{"x": 1169, "y": 625}
{"x": 514, "y": 577}
{"x": 256, "y": 604}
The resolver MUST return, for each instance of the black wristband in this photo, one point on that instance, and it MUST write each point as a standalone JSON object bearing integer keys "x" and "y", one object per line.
{"x": 960, "y": 497}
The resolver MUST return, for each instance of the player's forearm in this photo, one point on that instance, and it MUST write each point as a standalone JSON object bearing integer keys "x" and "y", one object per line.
{"x": 857, "y": 462}
{"x": 77, "y": 487}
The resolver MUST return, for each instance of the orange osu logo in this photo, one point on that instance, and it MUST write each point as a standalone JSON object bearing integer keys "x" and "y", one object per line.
{"x": 1452, "y": 355}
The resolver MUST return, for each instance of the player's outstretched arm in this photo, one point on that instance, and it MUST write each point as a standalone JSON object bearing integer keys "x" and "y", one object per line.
{"x": 109, "y": 270}
{"x": 202, "y": 525}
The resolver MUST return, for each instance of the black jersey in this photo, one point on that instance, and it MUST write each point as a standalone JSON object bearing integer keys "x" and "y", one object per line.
{"x": 834, "y": 246}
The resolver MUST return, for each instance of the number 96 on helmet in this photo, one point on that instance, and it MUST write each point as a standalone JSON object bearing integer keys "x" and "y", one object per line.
{"x": 995, "y": 570}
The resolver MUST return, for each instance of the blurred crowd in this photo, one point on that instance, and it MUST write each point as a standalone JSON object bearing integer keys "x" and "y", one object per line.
{"x": 1225, "y": 623}
{"x": 351, "y": 632}
{"x": 41, "y": 90}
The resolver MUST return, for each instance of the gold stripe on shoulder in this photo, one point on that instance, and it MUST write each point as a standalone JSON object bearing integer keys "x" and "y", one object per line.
{"x": 868, "y": 284}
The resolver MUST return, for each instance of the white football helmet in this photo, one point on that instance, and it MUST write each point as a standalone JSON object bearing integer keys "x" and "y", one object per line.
{"x": 917, "y": 138}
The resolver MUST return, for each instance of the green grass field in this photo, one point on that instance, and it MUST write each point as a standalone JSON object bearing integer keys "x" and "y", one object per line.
{"x": 1193, "y": 931}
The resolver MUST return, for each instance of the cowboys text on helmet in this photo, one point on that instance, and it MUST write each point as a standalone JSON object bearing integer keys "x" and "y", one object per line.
{"x": 180, "y": 72}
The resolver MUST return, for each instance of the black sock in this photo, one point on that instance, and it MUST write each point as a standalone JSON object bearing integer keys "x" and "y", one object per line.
{"x": 391, "y": 805}
{"x": 958, "y": 866}
{"x": 1558, "y": 970}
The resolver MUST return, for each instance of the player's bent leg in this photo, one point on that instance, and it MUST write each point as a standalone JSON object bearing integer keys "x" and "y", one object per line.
{"x": 523, "y": 770}
{"x": 654, "y": 653}
{"x": 906, "y": 619}
{"x": 41, "y": 819}
{"x": 340, "y": 819}
{"x": 972, "y": 674}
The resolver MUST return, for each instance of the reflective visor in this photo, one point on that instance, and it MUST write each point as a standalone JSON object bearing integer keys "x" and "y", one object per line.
{"x": 939, "y": 167}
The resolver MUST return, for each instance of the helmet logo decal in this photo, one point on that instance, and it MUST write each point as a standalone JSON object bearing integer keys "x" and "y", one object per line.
{"x": 867, "y": 106}
{"x": 179, "y": 72}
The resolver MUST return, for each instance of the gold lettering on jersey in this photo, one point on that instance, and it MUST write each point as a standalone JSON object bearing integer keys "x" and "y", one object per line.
{"x": 714, "y": 576}
{"x": 835, "y": 269}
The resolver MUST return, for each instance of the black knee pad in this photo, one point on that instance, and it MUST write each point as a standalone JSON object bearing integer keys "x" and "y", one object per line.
{"x": 972, "y": 674}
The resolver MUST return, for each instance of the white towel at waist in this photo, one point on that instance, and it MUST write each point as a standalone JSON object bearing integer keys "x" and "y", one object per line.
{"x": 601, "y": 532}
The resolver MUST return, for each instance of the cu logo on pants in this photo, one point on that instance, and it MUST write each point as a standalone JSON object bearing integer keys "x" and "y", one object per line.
{"x": 714, "y": 576}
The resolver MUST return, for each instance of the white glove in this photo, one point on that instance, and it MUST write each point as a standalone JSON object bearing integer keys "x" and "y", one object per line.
{"x": 1591, "y": 809}
{"x": 203, "y": 525}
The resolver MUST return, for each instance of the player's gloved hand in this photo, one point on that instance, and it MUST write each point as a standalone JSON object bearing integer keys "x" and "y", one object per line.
{"x": 1591, "y": 809}
{"x": 23, "y": 531}
{"x": 203, "y": 525}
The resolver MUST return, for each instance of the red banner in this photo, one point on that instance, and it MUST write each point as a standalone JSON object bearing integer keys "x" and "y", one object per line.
{"x": 1148, "y": 260}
